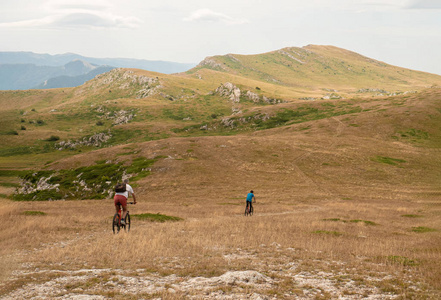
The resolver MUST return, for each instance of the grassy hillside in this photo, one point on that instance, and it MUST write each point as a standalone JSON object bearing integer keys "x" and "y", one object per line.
{"x": 321, "y": 70}
{"x": 347, "y": 189}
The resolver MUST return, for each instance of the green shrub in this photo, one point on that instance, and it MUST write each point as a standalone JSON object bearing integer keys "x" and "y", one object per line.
{"x": 53, "y": 138}
{"x": 388, "y": 160}
{"x": 412, "y": 216}
{"x": 22, "y": 127}
{"x": 401, "y": 260}
{"x": 39, "y": 196}
{"x": 156, "y": 217}
{"x": 422, "y": 229}
{"x": 363, "y": 221}
{"x": 334, "y": 233}
{"x": 33, "y": 213}
{"x": 11, "y": 132}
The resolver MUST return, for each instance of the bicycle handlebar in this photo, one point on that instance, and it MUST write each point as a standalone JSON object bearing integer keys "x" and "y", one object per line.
{"x": 130, "y": 202}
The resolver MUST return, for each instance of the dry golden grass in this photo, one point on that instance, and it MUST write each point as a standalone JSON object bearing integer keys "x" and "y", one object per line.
{"x": 215, "y": 238}
{"x": 325, "y": 203}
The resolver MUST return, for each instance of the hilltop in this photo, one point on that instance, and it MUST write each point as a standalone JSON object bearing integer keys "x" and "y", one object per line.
{"x": 320, "y": 70}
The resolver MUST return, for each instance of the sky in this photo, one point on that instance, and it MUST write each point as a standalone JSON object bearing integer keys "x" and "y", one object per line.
{"x": 405, "y": 33}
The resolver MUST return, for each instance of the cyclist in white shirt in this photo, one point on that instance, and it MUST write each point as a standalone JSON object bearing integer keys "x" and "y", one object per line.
{"x": 120, "y": 199}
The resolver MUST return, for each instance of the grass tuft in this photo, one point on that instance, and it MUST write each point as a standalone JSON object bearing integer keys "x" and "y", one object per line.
{"x": 365, "y": 222}
{"x": 33, "y": 213}
{"x": 412, "y": 216}
{"x": 334, "y": 233}
{"x": 388, "y": 160}
{"x": 401, "y": 260}
{"x": 156, "y": 217}
{"x": 422, "y": 229}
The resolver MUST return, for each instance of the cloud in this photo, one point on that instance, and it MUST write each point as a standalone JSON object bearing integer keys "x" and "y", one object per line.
{"x": 77, "y": 14}
{"x": 57, "y": 5}
{"x": 207, "y": 15}
{"x": 425, "y": 4}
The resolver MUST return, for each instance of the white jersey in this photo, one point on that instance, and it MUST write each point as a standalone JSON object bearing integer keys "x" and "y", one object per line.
{"x": 128, "y": 192}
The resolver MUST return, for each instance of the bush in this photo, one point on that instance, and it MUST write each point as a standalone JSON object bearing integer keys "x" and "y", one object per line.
{"x": 422, "y": 229}
{"x": 99, "y": 123}
{"x": 11, "y": 132}
{"x": 156, "y": 217}
{"x": 40, "y": 122}
{"x": 22, "y": 127}
{"x": 53, "y": 138}
{"x": 33, "y": 213}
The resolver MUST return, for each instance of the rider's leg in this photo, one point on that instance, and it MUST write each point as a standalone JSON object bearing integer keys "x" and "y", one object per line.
{"x": 124, "y": 207}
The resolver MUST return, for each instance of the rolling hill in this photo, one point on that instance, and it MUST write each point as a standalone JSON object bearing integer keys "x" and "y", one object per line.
{"x": 320, "y": 69}
{"x": 345, "y": 165}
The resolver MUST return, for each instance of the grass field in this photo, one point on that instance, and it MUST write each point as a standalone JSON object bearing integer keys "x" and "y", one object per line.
{"x": 348, "y": 193}
{"x": 347, "y": 206}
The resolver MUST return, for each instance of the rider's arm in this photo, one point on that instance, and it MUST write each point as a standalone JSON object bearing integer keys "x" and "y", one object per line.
{"x": 254, "y": 199}
{"x": 134, "y": 198}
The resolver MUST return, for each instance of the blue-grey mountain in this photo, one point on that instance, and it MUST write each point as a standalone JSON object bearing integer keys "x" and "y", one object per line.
{"x": 28, "y": 70}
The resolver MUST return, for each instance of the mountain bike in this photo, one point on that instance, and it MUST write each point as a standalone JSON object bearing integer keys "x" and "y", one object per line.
{"x": 116, "y": 224}
{"x": 249, "y": 209}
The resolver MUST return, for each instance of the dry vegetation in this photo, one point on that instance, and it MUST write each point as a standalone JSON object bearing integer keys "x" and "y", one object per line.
{"x": 345, "y": 209}
{"x": 348, "y": 194}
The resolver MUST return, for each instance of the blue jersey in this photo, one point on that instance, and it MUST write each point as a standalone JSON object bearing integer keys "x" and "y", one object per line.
{"x": 250, "y": 197}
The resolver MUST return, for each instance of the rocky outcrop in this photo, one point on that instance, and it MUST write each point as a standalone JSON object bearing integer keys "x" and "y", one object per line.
{"x": 230, "y": 91}
{"x": 139, "y": 85}
{"x": 95, "y": 140}
{"x": 42, "y": 184}
{"x": 122, "y": 117}
{"x": 234, "y": 94}
{"x": 291, "y": 56}
{"x": 118, "y": 117}
{"x": 233, "y": 122}
{"x": 211, "y": 63}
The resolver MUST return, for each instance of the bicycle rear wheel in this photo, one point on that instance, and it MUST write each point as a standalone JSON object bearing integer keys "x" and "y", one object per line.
{"x": 251, "y": 210}
{"x": 127, "y": 222}
{"x": 116, "y": 224}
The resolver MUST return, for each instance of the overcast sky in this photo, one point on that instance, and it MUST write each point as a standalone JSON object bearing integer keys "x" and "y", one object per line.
{"x": 405, "y": 33}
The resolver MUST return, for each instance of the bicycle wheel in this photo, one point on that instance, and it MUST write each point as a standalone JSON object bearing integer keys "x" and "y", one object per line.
{"x": 115, "y": 224}
{"x": 251, "y": 210}
{"x": 127, "y": 222}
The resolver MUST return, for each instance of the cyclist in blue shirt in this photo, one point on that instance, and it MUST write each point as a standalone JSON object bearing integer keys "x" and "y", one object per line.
{"x": 250, "y": 197}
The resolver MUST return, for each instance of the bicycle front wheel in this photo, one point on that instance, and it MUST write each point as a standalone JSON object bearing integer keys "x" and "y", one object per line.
{"x": 128, "y": 222}
{"x": 116, "y": 224}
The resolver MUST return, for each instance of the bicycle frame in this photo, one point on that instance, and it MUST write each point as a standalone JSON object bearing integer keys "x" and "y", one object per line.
{"x": 116, "y": 226}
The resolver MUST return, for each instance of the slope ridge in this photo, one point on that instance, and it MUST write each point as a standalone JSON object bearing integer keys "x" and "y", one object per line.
{"x": 320, "y": 68}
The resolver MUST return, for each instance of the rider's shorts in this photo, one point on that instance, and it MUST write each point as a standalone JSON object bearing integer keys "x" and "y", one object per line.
{"x": 120, "y": 200}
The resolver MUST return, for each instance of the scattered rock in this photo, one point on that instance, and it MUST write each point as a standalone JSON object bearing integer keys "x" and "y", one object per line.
{"x": 229, "y": 90}
{"x": 95, "y": 140}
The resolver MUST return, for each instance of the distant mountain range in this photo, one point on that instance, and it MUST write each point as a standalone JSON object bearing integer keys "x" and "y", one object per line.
{"x": 28, "y": 70}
